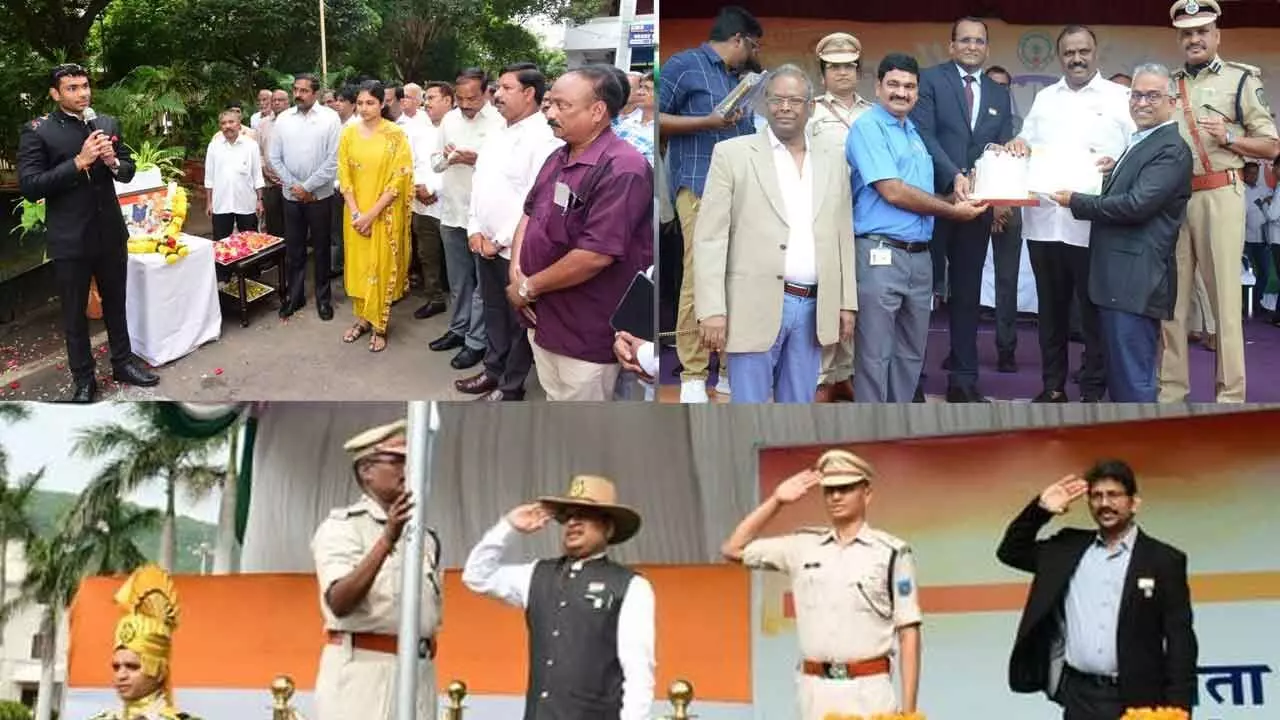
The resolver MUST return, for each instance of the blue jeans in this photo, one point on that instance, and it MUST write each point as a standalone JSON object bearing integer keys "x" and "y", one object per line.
{"x": 788, "y": 371}
{"x": 1131, "y": 344}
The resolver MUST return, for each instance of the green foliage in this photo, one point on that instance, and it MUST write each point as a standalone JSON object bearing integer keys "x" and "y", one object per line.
{"x": 24, "y": 93}
{"x": 150, "y": 155}
{"x": 13, "y": 710}
{"x": 31, "y": 217}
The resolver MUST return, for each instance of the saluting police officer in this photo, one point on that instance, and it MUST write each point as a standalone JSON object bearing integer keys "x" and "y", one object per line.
{"x": 854, "y": 590}
{"x": 358, "y": 562}
{"x": 839, "y": 55}
{"x": 1224, "y": 117}
{"x": 71, "y": 159}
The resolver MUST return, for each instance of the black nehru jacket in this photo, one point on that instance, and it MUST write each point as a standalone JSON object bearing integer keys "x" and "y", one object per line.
{"x": 572, "y": 616}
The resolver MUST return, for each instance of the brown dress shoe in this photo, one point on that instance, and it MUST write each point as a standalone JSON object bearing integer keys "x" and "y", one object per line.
{"x": 825, "y": 394}
{"x": 842, "y": 391}
{"x": 478, "y": 384}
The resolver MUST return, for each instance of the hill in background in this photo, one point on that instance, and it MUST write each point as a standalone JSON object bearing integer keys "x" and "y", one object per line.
{"x": 49, "y": 507}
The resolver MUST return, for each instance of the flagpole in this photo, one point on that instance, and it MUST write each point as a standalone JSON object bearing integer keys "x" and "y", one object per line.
{"x": 424, "y": 423}
{"x": 324, "y": 54}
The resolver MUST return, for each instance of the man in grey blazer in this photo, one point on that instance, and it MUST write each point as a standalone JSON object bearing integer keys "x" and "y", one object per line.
{"x": 773, "y": 251}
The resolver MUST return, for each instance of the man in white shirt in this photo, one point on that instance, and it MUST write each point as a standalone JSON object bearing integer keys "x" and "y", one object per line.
{"x": 273, "y": 194}
{"x": 463, "y": 133}
{"x": 411, "y": 106}
{"x": 506, "y": 171}
{"x": 428, "y": 184}
{"x": 632, "y": 112}
{"x": 1256, "y": 197}
{"x": 264, "y": 108}
{"x": 304, "y": 154}
{"x": 1086, "y": 113}
{"x": 233, "y": 177}
{"x": 591, "y": 620}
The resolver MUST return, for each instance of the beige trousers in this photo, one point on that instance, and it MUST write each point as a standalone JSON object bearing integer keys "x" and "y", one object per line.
{"x": 569, "y": 379}
{"x": 1211, "y": 243}
{"x": 837, "y": 363}
{"x": 1199, "y": 319}
{"x": 362, "y": 686}
{"x": 865, "y": 696}
{"x": 693, "y": 357}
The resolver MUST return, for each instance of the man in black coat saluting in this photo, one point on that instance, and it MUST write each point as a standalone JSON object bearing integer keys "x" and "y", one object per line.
{"x": 1107, "y": 625}
{"x": 71, "y": 159}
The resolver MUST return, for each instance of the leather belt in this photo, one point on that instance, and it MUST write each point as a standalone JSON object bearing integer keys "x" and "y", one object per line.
{"x": 1100, "y": 680}
{"x": 799, "y": 289}
{"x": 1213, "y": 181}
{"x": 846, "y": 670}
{"x": 911, "y": 247}
{"x": 373, "y": 642}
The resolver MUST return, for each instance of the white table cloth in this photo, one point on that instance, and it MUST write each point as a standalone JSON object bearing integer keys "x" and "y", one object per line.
{"x": 173, "y": 309}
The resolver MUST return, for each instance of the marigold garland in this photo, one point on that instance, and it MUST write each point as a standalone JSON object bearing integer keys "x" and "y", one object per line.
{"x": 1159, "y": 713}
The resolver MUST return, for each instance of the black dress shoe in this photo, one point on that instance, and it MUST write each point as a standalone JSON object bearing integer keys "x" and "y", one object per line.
{"x": 447, "y": 341}
{"x": 287, "y": 308}
{"x": 431, "y": 309}
{"x": 1006, "y": 363}
{"x": 1048, "y": 396}
{"x": 326, "y": 312}
{"x": 85, "y": 393}
{"x": 481, "y": 383}
{"x": 965, "y": 395}
{"x": 133, "y": 375}
{"x": 466, "y": 358}
{"x": 946, "y": 363}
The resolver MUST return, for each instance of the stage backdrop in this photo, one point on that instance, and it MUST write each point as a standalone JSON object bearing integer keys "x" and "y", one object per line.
{"x": 1209, "y": 487}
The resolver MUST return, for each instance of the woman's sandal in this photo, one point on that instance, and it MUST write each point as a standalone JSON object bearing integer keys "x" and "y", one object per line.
{"x": 374, "y": 347}
{"x": 355, "y": 332}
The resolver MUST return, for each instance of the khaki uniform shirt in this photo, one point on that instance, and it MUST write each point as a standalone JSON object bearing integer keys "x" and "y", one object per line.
{"x": 848, "y": 608}
{"x": 342, "y": 542}
{"x": 829, "y": 126}
{"x": 1245, "y": 105}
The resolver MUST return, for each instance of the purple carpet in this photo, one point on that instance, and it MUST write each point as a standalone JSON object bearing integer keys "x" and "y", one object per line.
{"x": 1262, "y": 363}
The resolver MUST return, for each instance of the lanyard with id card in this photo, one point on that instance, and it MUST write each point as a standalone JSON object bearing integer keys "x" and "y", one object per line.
{"x": 881, "y": 256}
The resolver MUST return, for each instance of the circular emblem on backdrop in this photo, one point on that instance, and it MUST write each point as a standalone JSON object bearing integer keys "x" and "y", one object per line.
{"x": 1035, "y": 50}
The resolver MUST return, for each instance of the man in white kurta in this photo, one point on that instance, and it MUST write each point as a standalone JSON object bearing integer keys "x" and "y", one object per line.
{"x": 1083, "y": 114}
{"x": 358, "y": 558}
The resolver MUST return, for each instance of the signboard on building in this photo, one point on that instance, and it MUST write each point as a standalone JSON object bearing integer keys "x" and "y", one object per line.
{"x": 641, "y": 35}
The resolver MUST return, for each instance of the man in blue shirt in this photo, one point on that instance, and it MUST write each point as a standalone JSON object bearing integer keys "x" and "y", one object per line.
{"x": 693, "y": 83}
{"x": 893, "y": 212}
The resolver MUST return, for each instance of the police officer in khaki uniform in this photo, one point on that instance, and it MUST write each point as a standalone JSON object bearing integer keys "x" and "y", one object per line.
{"x": 833, "y": 115}
{"x": 854, "y": 588}
{"x": 1223, "y": 115}
{"x": 359, "y": 564}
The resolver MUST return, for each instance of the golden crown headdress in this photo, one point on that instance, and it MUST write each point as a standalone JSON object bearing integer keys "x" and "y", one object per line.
{"x": 150, "y": 603}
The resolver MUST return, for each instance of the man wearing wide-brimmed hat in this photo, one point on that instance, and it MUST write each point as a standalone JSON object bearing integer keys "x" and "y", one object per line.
{"x": 591, "y": 620}
{"x": 1224, "y": 117}
{"x": 359, "y": 564}
{"x": 854, "y": 588}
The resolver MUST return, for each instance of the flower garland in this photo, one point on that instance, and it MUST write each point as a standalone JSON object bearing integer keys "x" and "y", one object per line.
{"x": 1160, "y": 713}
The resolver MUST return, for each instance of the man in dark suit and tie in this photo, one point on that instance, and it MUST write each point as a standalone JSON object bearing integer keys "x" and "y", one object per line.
{"x": 1135, "y": 222}
{"x": 1107, "y": 626}
{"x": 72, "y": 162}
{"x": 960, "y": 112}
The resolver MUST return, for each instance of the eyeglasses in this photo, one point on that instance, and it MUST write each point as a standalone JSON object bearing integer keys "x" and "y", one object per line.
{"x": 781, "y": 102}
{"x": 1151, "y": 98}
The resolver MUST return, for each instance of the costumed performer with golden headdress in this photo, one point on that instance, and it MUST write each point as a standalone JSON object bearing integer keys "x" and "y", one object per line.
{"x": 143, "y": 647}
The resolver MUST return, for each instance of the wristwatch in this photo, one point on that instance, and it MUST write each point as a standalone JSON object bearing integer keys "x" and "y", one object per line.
{"x": 524, "y": 290}
{"x": 1230, "y": 140}
{"x": 355, "y": 215}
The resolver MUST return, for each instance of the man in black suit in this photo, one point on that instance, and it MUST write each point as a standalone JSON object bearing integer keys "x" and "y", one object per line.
{"x": 960, "y": 111}
{"x": 1132, "y": 270}
{"x": 1107, "y": 625}
{"x": 72, "y": 162}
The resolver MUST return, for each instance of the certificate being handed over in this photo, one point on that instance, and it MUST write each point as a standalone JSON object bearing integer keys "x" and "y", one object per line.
{"x": 1063, "y": 167}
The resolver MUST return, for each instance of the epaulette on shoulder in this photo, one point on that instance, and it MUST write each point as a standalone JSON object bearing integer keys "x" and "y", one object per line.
{"x": 1253, "y": 70}
{"x": 813, "y": 530}
{"x": 892, "y": 541}
{"x": 346, "y": 513}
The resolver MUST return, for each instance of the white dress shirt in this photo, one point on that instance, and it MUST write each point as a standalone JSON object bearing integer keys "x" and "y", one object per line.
{"x": 233, "y": 171}
{"x": 796, "y": 185}
{"x": 254, "y": 119}
{"x": 1255, "y": 216}
{"x": 304, "y": 150}
{"x": 423, "y": 140}
{"x": 977, "y": 93}
{"x": 463, "y": 134}
{"x": 484, "y": 573}
{"x": 1094, "y": 119}
{"x": 1273, "y": 217}
{"x": 506, "y": 172}
{"x": 419, "y": 118}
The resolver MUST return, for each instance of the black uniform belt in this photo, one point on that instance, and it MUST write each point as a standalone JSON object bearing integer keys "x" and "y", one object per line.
{"x": 1100, "y": 680}
{"x": 911, "y": 247}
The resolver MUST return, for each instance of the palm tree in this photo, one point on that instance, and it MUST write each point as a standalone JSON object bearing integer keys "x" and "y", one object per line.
{"x": 141, "y": 452}
{"x": 110, "y": 534}
{"x": 15, "y": 518}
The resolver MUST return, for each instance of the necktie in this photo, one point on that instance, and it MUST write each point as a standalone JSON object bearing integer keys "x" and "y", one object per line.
{"x": 968, "y": 96}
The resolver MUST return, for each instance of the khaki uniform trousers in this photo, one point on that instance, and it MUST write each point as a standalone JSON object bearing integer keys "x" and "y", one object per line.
{"x": 1200, "y": 320}
{"x": 1211, "y": 242}
{"x": 865, "y": 696}
{"x": 693, "y": 357}
{"x": 569, "y": 379}
{"x": 837, "y": 363}
{"x": 361, "y": 685}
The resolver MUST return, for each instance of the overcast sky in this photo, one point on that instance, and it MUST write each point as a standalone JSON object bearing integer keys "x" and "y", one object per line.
{"x": 46, "y": 440}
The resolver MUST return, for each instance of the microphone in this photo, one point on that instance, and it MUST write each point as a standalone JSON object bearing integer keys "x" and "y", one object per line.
{"x": 89, "y": 117}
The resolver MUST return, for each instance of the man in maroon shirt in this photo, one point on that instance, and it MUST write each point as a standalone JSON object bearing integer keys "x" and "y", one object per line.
{"x": 587, "y": 231}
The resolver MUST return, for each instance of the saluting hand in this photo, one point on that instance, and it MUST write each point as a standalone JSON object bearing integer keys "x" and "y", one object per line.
{"x": 797, "y": 486}
{"x": 529, "y": 518}
{"x": 397, "y": 517}
{"x": 1058, "y": 497}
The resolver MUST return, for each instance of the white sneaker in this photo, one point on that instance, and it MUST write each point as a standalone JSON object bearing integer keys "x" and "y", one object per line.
{"x": 722, "y": 385}
{"x": 694, "y": 391}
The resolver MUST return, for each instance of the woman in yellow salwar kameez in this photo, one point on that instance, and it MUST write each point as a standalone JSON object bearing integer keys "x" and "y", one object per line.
{"x": 375, "y": 171}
